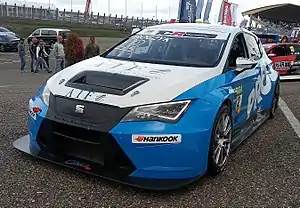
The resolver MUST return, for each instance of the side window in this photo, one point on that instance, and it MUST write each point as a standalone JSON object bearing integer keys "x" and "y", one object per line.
{"x": 52, "y": 32}
{"x": 44, "y": 32}
{"x": 238, "y": 49}
{"x": 37, "y": 32}
{"x": 295, "y": 49}
{"x": 253, "y": 47}
{"x": 282, "y": 50}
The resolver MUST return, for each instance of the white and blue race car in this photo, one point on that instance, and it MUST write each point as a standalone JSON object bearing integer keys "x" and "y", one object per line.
{"x": 157, "y": 110}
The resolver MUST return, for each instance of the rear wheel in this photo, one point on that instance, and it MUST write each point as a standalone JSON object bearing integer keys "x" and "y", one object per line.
{"x": 275, "y": 101}
{"x": 220, "y": 143}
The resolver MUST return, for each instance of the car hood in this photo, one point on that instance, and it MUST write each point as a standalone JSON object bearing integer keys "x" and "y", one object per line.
{"x": 126, "y": 83}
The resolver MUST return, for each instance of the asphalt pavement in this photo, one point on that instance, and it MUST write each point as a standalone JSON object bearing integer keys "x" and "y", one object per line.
{"x": 262, "y": 172}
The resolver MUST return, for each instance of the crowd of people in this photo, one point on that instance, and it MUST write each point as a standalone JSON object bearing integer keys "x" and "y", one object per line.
{"x": 39, "y": 54}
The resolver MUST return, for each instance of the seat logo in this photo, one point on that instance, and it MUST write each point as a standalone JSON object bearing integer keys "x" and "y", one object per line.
{"x": 79, "y": 108}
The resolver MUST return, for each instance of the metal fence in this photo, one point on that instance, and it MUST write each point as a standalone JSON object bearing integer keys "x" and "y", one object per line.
{"x": 41, "y": 13}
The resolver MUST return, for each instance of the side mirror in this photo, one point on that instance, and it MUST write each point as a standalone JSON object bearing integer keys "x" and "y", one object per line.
{"x": 271, "y": 55}
{"x": 243, "y": 64}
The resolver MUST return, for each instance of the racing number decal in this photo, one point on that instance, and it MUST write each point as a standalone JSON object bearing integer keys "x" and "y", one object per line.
{"x": 238, "y": 98}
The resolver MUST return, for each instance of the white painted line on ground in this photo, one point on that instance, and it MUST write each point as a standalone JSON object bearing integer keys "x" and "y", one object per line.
{"x": 5, "y": 86}
{"x": 290, "y": 116}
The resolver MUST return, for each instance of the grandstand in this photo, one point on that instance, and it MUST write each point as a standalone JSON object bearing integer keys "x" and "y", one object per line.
{"x": 279, "y": 18}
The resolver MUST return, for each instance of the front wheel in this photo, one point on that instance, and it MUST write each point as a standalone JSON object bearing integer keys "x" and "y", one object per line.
{"x": 220, "y": 143}
{"x": 2, "y": 49}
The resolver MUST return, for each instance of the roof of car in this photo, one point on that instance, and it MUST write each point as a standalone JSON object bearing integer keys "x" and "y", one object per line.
{"x": 196, "y": 26}
{"x": 60, "y": 29}
{"x": 273, "y": 44}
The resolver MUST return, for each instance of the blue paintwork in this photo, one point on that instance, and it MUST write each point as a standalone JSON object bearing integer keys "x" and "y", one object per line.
{"x": 189, "y": 158}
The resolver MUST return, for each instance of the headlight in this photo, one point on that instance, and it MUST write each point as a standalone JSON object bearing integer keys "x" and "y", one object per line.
{"x": 166, "y": 112}
{"x": 45, "y": 96}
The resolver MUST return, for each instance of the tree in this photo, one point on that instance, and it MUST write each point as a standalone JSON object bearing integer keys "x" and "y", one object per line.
{"x": 74, "y": 49}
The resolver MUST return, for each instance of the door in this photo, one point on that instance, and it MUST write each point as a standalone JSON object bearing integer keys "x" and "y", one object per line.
{"x": 260, "y": 97}
{"x": 242, "y": 83}
{"x": 295, "y": 64}
{"x": 282, "y": 58}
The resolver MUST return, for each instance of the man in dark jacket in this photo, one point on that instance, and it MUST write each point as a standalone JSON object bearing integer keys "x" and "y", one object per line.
{"x": 22, "y": 54}
{"x": 32, "y": 50}
{"x": 40, "y": 57}
{"x": 92, "y": 49}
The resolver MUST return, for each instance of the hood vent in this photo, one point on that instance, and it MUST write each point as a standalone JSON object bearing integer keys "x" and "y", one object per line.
{"x": 105, "y": 82}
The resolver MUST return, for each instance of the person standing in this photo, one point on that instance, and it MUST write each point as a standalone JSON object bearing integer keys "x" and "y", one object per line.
{"x": 92, "y": 49}
{"x": 32, "y": 50}
{"x": 40, "y": 54}
{"x": 59, "y": 54}
{"x": 22, "y": 54}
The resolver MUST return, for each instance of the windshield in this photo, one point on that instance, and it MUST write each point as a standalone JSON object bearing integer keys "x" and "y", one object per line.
{"x": 195, "y": 49}
{"x": 8, "y": 37}
{"x": 64, "y": 33}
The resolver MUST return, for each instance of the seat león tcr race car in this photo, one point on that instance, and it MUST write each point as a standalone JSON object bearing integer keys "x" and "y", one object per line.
{"x": 159, "y": 109}
{"x": 285, "y": 58}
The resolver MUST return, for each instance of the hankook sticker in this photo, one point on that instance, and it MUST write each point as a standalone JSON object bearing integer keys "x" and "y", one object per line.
{"x": 157, "y": 139}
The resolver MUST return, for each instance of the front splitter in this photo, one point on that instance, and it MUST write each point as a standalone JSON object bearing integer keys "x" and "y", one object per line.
{"x": 22, "y": 144}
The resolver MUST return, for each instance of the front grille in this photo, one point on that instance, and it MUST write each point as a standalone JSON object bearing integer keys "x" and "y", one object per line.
{"x": 95, "y": 115}
{"x": 95, "y": 146}
{"x": 14, "y": 43}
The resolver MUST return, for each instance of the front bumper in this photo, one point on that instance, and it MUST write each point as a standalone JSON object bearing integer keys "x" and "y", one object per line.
{"x": 112, "y": 154}
{"x": 95, "y": 169}
{"x": 10, "y": 47}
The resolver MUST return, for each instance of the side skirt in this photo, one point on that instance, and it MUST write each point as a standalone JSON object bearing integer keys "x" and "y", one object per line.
{"x": 248, "y": 128}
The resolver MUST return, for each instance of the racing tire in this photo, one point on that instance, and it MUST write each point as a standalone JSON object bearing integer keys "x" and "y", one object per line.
{"x": 275, "y": 101}
{"x": 2, "y": 49}
{"x": 220, "y": 142}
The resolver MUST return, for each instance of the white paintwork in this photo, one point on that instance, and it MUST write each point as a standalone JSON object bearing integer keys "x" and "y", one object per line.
{"x": 162, "y": 87}
{"x": 166, "y": 82}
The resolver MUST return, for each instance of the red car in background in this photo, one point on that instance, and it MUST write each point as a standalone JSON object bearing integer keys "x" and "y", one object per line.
{"x": 285, "y": 58}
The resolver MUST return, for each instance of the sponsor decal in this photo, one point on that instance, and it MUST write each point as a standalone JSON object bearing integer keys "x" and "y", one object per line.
{"x": 32, "y": 114}
{"x": 61, "y": 81}
{"x": 99, "y": 98}
{"x": 33, "y": 111}
{"x": 263, "y": 86}
{"x": 157, "y": 139}
{"x": 75, "y": 163}
{"x": 238, "y": 98}
{"x": 85, "y": 95}
{"x": 135, "y": 93}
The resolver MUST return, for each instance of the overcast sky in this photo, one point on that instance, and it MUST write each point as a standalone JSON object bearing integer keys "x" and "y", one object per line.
{"x": 149, "y": 6}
